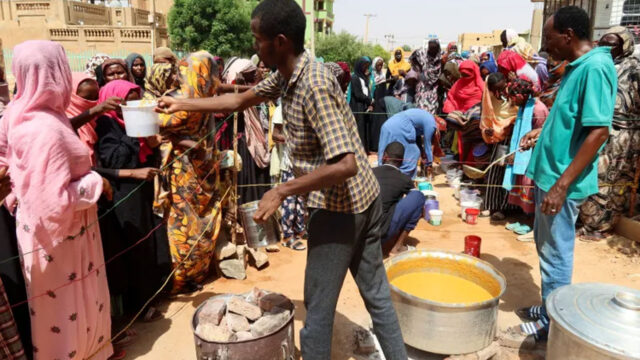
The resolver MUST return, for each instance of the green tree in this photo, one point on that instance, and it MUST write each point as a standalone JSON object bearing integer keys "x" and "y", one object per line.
{"x": 346, "y": 47}
{"x": 218, "y": 26}
{"x": 406, "y": 47}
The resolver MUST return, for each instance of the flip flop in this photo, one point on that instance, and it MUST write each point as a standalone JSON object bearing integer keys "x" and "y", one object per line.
{"x": 126, "y": 338}
{"x": 528, "y": 237}
{"x": 295, "y": 244}
{"x": 531, "y": 313}
{"x": 522, "y": 230}
{"x": 513, "y": 226}
{"x": 118, "y": 355}
{"x": 152, "y": 315}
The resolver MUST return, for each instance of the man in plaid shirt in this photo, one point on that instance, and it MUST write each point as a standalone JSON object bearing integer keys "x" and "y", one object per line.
{"x": 330, "y": 166}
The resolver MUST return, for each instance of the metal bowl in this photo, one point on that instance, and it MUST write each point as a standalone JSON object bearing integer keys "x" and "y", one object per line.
{"x": 446, "y": 328}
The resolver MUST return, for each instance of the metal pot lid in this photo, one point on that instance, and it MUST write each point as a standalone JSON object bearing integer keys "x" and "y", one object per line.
{"x": 603, "y": 315}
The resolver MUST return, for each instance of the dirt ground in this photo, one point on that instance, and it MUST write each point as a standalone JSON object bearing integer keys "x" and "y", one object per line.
{"x": 171, "y": 338}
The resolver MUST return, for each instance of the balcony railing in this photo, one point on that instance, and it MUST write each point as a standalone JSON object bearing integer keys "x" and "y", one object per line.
{"x": 29, "y": 6}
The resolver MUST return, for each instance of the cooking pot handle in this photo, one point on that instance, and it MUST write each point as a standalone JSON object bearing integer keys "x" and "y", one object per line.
{"x": 627, "y": 300}
{"x": 286, "y": 355}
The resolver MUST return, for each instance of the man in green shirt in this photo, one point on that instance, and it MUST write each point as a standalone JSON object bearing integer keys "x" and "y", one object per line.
{"x": 564, "y": 161}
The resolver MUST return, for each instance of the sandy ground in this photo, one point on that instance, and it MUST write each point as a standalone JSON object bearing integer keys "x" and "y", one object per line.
{"x": 171, "y": 338}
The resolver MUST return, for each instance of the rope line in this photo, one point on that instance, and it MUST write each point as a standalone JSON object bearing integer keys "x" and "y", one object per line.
{"x": 128, "y": 196}
{"x": 166, "y": 282}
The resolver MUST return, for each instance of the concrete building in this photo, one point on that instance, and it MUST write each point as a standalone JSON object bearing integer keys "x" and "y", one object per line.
{"x": 322, "y": 22}
{"x": 469, "y": 41}
{"x": 603, "y": 13}
{"x": 83, "y": 27}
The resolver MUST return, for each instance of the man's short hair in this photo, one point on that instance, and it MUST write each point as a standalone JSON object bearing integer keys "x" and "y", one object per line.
{"x": 575, "y": 18}
{"x": 282, "y": 17}
{"x": 394, "y": 153}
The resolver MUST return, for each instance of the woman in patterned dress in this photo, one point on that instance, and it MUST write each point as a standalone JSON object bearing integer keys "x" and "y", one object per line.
{"x": 193, "y": 179}
{"x": 427, "y": 62}
{"x": 618, "y": 161}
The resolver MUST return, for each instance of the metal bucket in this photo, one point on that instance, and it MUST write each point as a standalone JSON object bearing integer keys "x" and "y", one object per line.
{"x": 445, "y": 328}
{"x": 279, "y": 345}
{"x": 257, "y": 235}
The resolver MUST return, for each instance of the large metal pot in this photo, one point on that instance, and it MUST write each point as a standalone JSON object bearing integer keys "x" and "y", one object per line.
{"x": 594, "y": 321}
{"x": 445, "y": 328}
{"x": 279, "y": 345}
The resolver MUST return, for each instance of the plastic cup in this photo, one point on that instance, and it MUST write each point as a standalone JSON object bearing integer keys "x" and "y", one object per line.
{"x": 472, "y": 216}
{"x": 140, "y": 118}
{"x": 436, "y": 217}
{"x": 472, "y": 245}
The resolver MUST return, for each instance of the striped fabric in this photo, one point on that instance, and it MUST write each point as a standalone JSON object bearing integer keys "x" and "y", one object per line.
{"x": 10, "y": 344}
{"x": 496, "y": 197}
{"x": 319, "y": 126}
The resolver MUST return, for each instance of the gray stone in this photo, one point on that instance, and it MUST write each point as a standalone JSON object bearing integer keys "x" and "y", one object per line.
{"x": 233, "y": 268}
{"x": 365, "y": 344}
{"x": 214, "y": 333}
{"x": 242, "y": 307}
{"x": 255, "y": 295}
{"x": 237, "y": 323}
{"x": 268, "y": 324}
{"x": 243, "y": 336}
{"x": 258, "y": 258}
{"x": 269, "y": 301}
{"x": 212, "y": 312}
{"x": 224, "y": 248}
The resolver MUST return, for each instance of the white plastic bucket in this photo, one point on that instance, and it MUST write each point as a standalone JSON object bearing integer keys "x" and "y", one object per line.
{"x": 435, "y": 217}
{"x": 140, "y": 119}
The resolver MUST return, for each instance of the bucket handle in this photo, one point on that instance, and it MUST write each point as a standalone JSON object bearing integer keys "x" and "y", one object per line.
{"x": 286, "y": 354}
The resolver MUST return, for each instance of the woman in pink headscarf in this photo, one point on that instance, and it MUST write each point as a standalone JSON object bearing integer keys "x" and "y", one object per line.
{"x": 56, "y": 217}
{"x": 514, "y": 66}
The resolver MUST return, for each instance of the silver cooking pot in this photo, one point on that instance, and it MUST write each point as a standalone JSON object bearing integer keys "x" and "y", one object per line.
{"x": 445, "y": 328}
{"x": 594, "y": 321}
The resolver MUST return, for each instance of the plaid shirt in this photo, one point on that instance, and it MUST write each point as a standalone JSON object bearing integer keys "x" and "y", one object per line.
{"x": 10, "y": 344}
{"x": 318, "y": 127}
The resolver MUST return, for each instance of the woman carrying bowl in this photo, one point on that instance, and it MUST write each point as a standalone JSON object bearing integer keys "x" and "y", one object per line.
{"x": 139, "y": 272}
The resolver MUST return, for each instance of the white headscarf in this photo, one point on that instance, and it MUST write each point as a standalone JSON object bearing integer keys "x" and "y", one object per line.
{"x": 379, "y": 76}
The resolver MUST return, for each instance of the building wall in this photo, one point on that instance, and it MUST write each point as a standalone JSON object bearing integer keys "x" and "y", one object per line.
{"x": 479, "y": 40}
{"x": 80, "y": 27}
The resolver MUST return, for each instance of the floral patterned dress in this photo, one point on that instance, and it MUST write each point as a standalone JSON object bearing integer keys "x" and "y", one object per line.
{"x": 192, "y": 201}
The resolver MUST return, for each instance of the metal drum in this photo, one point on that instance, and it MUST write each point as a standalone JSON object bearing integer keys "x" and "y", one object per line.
{"x": 279, "y": 345}
{"x": 594, "y": 322}
{"x": 445, "y": 328}
{"x": 257, "y": 235}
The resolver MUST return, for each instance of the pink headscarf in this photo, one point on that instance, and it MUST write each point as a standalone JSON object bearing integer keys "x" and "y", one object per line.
{"x": 467, "y": 91}
{"x": 78, "y": 105}
{"x": 45, "y": 157}
{"x": 510, "y": 61}
{"x": 122, "y": 88}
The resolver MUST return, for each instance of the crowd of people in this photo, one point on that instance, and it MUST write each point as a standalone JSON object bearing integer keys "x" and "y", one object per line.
{"x": 78, "y": 191}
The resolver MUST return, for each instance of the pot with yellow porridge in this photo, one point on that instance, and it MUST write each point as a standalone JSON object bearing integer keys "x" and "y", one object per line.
{"x": 447, "y": 303}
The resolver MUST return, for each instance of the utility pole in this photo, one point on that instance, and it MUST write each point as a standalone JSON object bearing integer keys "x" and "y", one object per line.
{"x": 366, "y": 27}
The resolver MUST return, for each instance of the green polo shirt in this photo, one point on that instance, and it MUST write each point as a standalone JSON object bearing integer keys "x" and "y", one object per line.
{"x": 585, "y": 99}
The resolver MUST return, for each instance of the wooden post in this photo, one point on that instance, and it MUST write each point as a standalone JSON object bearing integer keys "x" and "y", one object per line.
{"x": 234, "y": 184}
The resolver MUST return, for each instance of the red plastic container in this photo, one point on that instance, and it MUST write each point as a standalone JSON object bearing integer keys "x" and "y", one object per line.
{"x": 472, "y": 216}
{"x": 472, "y": 245}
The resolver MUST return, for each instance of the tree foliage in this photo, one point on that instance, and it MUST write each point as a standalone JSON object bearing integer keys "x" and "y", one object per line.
{"x": 218, "y": 26}
{"x": 406, "y": 47}
{"x": 346, "y": 47}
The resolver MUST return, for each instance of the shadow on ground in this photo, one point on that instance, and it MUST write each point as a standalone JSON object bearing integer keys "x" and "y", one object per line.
{"x": 521, "y": 288}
